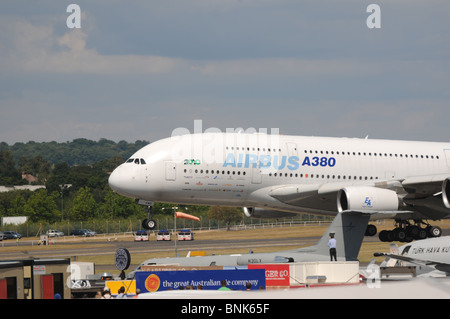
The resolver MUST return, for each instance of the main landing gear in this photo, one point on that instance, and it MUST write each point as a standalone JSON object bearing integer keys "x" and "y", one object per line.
{"x": 406, "y": 232}
{"x": 149, "y": 223}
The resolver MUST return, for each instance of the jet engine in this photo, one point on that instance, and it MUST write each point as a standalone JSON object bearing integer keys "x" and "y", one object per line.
{"x": 256, "y": 212}
{"x": 366, "y": 198}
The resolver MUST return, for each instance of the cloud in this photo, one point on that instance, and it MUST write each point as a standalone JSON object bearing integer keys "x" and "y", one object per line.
{"x": 36, "y": 48}
{"x": 138, "y": 70}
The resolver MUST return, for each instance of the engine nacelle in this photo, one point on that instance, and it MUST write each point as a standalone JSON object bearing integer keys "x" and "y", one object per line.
{"x": 446, "y": 192}
{"x": 366, "y": 198}
{"x": 256, "y": 212}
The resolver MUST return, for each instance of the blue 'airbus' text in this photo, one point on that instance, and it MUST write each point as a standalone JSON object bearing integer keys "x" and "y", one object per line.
{"x": 276, "y": 162}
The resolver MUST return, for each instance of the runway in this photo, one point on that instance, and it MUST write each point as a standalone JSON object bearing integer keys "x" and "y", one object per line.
{"x": 107, "y": 245}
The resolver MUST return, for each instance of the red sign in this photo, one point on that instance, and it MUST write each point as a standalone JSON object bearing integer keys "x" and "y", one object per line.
{"x": 276, "y": 275}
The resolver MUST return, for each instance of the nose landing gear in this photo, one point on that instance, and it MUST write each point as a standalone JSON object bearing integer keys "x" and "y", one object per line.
{"x": 149, "y": 223}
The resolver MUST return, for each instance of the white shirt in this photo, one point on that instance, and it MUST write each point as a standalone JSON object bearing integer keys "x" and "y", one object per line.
{"x": 332, "y": 243}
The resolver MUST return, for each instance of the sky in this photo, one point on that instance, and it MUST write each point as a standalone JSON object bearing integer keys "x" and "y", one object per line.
{"x": 138, "y": 70}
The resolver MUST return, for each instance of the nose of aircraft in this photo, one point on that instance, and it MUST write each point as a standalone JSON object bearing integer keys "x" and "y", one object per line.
{"x": 116, "y": 180}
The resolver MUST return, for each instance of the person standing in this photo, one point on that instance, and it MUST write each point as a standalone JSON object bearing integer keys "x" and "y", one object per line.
{"x": 332, "y": 246}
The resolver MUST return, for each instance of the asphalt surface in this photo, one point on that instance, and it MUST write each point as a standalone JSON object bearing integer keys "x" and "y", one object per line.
{"x": 73, "y": 248}
{"x": 65, "y": 248}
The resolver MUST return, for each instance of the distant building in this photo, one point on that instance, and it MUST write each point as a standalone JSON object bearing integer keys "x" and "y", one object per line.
{"x": 32, "y": 188}
{"x": 29, "y": 178}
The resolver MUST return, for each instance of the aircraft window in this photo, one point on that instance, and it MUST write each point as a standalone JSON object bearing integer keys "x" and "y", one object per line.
{"x": 131, "y": 160}
{"x": 136, "y": 161}
{"x": 142, "y": 161}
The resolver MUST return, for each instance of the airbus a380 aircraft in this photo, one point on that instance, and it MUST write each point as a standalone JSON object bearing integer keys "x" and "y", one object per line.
{"x": 276, "y": 175}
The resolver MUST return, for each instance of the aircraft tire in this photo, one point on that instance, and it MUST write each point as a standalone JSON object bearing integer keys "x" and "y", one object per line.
{"x": 384, "y": 235}
{"x": 413, "y": 231}
{"x": 371, "y": 230}
{"x": 434, "y": 231}
{"x": 422, "y": 234}
{"x": 400, "y": 234}
{"x": 148, "y": 224}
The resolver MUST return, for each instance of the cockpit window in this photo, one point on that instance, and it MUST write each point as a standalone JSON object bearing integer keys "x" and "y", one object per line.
{"x": 136, "y": 161}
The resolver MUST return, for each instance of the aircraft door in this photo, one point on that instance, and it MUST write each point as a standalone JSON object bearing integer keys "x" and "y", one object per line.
{"x": 171, "y": 171}
{"x": 256, "y": 176}
{"x": 447, "y": 156}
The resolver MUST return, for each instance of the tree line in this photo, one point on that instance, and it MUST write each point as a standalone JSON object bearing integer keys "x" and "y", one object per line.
{"x": 75, "y": 175}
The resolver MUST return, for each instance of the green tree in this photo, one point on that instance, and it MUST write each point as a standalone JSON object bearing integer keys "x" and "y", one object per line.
{"x": 36, "y": 166}
{"x": 17, "y": 206}
{"x": 117, "y": 206}
{"x": 41, "y": 206}
{"x": 226, "y": 214}
{"x": 8, "y": 172}
{"x": 84, "y": 205}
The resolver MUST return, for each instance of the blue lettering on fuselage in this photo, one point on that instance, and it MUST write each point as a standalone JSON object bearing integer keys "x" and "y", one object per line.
{"x": 277, "y": 162}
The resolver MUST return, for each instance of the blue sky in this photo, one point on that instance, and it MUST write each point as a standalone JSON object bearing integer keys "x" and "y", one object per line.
{"x": 140, "y": 69}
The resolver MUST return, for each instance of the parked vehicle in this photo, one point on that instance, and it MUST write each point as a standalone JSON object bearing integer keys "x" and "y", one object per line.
{"x": 83, "y": 232}
{"x": 9, "y": 234}
{"x": 163, "y": 235}
{"x": 1, "y": 236}
{"x": 185, "y": 234}
{"x": 141, "y": 235}
{"x": 54, "y": 233}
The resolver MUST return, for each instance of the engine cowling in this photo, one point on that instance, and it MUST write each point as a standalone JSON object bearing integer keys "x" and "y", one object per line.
{"x": 366, "y": 198}
{"x": 446, "y": 192}
{"x": 257, "y": 212}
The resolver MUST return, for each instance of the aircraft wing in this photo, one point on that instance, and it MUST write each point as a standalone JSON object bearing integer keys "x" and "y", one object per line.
{"x": 438, "y": 265}
{"x": 421, "y": 193}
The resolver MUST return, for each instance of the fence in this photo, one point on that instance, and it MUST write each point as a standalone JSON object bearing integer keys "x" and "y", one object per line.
{"x": 163, "y": 222}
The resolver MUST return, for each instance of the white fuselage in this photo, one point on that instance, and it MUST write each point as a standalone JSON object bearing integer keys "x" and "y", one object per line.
{"x": 236, "y": 169}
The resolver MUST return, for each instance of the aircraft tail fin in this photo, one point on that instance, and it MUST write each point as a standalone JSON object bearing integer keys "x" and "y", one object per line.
{"x": 349, "y": 229}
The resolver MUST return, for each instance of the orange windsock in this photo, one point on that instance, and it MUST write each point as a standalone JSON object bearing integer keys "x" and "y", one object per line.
{"x": 186, "y": 216}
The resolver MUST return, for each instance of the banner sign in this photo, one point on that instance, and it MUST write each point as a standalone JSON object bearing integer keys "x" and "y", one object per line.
{"x": 151, "y": 281}
{"x": 276, "y": 274}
